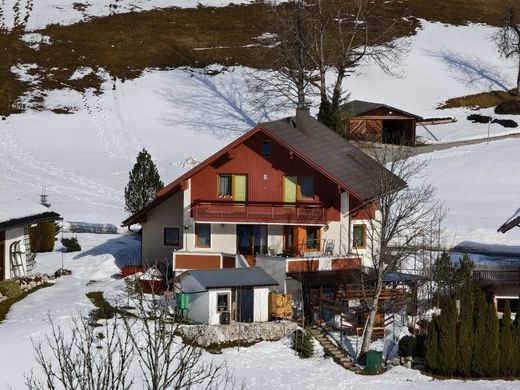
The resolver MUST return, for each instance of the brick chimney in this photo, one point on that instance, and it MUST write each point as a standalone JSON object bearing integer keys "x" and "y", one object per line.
{"x": 303, "y": 119}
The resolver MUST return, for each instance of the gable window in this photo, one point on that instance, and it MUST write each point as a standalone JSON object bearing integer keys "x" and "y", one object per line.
{"x": 358, "y": 236}
{"x": 222, "y": 302}
{"x": 171, "y": 236}
{"x": 225, "y": 185}
{"x": 203, "y": 235}
{"x": 266, "y": 148}
{"x": 305, "y": 187}
{"x": 312, "y": 241}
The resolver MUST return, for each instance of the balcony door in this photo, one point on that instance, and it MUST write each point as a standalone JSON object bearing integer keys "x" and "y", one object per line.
{"x": 252, "y": 240}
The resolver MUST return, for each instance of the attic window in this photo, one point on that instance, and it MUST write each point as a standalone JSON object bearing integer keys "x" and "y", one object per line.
{"x": 266, "y": 148}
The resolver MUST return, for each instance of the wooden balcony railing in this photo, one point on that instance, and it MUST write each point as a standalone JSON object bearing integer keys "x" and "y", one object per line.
{"x": 261, "y": 212}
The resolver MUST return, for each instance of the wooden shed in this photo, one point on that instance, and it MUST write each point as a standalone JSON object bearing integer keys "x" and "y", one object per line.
{"x": 377, "y": 122}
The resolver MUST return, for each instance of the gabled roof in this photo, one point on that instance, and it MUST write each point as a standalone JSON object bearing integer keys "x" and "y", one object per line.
{"x": 360, "y": 107}
{"x": 333, "y": 156}
{"x": 17, "y": 212}
{"x": 513, "y": 221}
{"x": 231, "y": 277}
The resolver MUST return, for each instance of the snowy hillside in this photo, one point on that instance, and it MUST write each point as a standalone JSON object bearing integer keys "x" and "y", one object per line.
{"x": 182, "y": 116}
{"x": 42, "y": 13}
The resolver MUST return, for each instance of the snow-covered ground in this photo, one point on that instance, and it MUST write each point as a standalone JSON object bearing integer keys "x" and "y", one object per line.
{"x": 182, "y": 116}
{"x": 267, "y": 365}
{"x": 41, "y": 13}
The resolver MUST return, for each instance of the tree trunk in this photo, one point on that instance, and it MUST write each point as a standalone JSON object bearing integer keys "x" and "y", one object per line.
{"x": 369, "y": 328}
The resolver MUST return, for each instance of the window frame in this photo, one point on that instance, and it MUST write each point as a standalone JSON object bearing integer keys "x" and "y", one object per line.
{"x": 227, "y": 295}
{"x": 318, "y": 239}
{"x": 165, "y": 243}
{"x": 299, "y": 195}
{"x": 219, "y": 191}
{"x": 363, "y": 236}
{"x": 197, "y": 242}
{"x": 268, "y": 144}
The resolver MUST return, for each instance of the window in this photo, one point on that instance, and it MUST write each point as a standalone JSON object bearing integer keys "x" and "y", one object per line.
{"x": 305, "y": 187}
{"x": 203, "y": 235}
{"x": 358, "y": 236}
{"x": 233, "y": 186}
{"x": 225, "y": 185}
{"x": 222, "y": 302}
{"x": 313, "y": 240}
{"x": 266, "y": 148}
{"x": 171, "y": 236}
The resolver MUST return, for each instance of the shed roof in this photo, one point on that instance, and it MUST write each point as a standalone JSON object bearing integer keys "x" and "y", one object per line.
{"x": 360, "y": 107}
{"x": 19, "y": 212}
{"x": 232, "y": 277}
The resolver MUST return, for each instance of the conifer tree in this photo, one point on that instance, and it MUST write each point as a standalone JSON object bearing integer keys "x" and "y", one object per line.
{"x": 465, "y": 332}
{"x": 144, "y": 181}
{"x": 432, "y": 346}
{"x": 516, "y": 342}
{"x": 447, "y": 338}
{"x": 491, "y": 341}
{"x": 480, "y": 358}
{"x": 506, "y": 343}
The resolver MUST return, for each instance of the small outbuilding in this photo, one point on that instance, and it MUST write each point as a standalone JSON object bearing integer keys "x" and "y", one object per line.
{"x": 377, "y": 122}
{"x": 218, "y": 296}
{"x": 16, "y": 217}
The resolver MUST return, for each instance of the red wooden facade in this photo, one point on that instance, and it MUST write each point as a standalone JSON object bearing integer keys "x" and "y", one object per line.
{"x": 265, "y": 193}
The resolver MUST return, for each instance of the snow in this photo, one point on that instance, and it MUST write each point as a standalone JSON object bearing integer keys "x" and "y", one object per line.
{"x": 19, "y": 208}
{"x": 43, "y": 13}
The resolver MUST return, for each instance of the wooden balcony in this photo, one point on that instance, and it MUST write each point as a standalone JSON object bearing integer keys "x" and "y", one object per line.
{"x": 261, "y": 212}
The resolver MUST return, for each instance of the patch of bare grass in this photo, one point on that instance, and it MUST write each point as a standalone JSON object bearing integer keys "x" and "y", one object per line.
{"x": 479, "y": 100}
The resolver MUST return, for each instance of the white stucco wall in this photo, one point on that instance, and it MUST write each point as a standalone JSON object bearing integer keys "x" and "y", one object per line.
{"x": 275, "y": 238}
{"x": 198, "y": 307}
{"x": 167, "y": 214}
{"x": 223, "y": 239}
{"x": 11, "y": 236}
{"x": 261, "y": 303}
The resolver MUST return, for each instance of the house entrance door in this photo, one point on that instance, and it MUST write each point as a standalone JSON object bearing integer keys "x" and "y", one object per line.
{"x": 252, "y": 240}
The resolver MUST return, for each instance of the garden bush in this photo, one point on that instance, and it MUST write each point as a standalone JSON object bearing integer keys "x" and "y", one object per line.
{"x": 42, "y": 237}
{"x": 71, "y": 244}
{"x": 10, "y": 289}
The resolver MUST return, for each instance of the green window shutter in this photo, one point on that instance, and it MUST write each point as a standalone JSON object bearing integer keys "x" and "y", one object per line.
{"x": 289, "y": 189}
{"x": 240, "y": 184}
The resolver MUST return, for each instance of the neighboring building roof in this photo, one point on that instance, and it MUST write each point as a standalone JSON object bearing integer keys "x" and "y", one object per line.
{"x": 325, "y": 150}
{"x": 231, "y": 277}
{"x": 513, "y": 221}
{"x": 401, "y": 277}
{"x": 360, "y": 107}
{"x": 17, "y": 212}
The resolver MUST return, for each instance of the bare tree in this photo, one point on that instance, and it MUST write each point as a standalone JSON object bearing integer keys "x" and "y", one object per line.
{"x": 407, "y": 218}
{"x": 140, "y": 348}
{"x": 507, "y": 38}
{"x": 320, "y": 41}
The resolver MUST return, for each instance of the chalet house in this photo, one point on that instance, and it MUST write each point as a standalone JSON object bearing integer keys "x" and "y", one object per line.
{"x": 16, "y": 217}
{"x": 376, "y": 122}
{"x": 290, "y": 195}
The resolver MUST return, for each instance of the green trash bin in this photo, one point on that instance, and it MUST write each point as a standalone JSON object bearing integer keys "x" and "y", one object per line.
{"x": 374, "y": 360}
{"x": 184, "y": 300}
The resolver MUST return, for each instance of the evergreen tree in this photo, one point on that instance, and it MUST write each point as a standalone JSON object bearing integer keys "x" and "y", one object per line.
{"x": 447, "y": 338}
{"x": 516, "y": 342}
{"x": 480, "y": 358}
{"x": 506, "y": 343}
{"x": 432, "y": 346}
{"x": 144, "y": 181}
{"x": 492, "y": 341}
{"x": 465, "y": 333}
